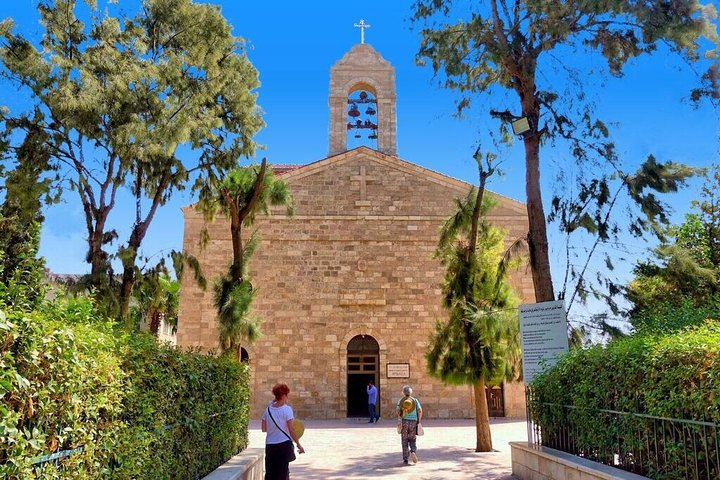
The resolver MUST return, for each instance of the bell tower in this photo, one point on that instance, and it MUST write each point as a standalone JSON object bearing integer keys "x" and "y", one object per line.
{"x": 362, "y": 101}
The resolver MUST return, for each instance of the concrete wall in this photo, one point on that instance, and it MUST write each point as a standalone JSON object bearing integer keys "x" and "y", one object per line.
{"x": 541, "y": 463}
{"x": 246, "y": 465}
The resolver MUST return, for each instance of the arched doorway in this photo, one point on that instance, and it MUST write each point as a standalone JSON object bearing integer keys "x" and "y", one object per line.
{"x": 363, "y": 358}
{"x": 243, "y": 355}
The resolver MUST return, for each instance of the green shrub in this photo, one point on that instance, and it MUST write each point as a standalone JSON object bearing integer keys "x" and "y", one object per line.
{"x": 61, "y": 387}
{"x": 138, "y": 408}
{"x": 195, "y": 407}
{"x": 673, "y": 376}
{"x": 675, "y": 314}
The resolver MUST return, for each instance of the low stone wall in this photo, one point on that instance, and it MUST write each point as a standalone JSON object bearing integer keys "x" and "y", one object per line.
{"x": 246, "y": 465}
{"x": 530, "y": 462}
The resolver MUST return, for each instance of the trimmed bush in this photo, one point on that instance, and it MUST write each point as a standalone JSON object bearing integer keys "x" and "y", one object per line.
{"x": 675, "y": 314}
{"x": 673, "y": 376}
{"x": 139, "y": 409}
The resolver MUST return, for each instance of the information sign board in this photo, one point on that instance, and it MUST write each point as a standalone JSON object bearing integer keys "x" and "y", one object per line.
{"x": 544, "y": 335}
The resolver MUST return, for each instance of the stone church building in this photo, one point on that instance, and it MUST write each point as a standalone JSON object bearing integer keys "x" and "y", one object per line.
{"x": 348, "y": 288}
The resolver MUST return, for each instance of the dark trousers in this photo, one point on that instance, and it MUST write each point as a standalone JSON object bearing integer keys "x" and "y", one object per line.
{"x": 371, "y": 411}
{"x": 277, "y": 460}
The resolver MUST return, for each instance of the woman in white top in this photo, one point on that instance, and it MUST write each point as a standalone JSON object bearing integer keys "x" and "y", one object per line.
{"x": 277, "y": 422}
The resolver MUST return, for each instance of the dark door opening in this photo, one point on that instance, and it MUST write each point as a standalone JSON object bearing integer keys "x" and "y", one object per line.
{"x": 362, "y": 366}
{"x": 495, "y": 401}
{"x": 357, "y": 394}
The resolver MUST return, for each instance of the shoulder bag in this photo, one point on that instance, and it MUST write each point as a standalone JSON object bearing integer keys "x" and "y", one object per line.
{"x": 419, "y": 430}
{"x": 291, "y": 455}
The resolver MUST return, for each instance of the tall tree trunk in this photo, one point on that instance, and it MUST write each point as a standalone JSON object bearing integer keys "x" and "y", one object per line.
{"x": 482, "y": 418}
{"x": 537, "y": 237}
{"x": 96, "y": 256}
{"x": 155, "y": 319}
{"x": 128, "y": 276}
{"x": 95, "y": 219}
{"x": 136, "y": 237}
{"x": 236, "y": 237}
{"x": 128, "y": 281}
{"x": 476, "y": 212}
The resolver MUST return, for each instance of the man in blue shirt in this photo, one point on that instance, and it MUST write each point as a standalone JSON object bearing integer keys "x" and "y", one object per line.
{"x": 372, "y": 400}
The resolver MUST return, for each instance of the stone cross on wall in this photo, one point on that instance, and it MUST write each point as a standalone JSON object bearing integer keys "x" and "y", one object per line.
{"x": 362, "y": 26}
{"x": 364, "y": 179}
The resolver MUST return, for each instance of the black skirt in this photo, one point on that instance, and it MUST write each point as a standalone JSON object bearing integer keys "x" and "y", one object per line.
{"x": 277, "y": 459}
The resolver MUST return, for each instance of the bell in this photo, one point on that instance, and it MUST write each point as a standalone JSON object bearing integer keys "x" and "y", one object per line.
{"x": 354, "y": 112}
{"x": 357, "y": 135}
{"x": 370, "y": 111}
{"x": 363, "y": 95}
{"x": 373, "y": 136}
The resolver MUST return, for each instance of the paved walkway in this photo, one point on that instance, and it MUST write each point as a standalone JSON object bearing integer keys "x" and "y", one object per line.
{"x": 340, "y": 449}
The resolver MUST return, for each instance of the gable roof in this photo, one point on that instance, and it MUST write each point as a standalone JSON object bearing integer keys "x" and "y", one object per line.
{"x": 291, "y": 172}
{"x": 391, "y": 161}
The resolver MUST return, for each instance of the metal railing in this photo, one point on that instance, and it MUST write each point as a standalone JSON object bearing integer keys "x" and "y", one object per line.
{"x": 653, "y": 446}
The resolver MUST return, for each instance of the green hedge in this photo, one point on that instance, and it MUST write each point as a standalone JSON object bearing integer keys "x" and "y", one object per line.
{"x": 673, "y": 376}
{"x": 138, "y": 408}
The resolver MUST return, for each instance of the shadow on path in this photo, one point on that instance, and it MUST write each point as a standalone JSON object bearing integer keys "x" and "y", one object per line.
{"x": 433, "y": 464}
{"x": 342, "y": 449}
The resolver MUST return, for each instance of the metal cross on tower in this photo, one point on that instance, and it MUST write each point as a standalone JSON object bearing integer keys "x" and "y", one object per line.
{"x": 362, "y": 26}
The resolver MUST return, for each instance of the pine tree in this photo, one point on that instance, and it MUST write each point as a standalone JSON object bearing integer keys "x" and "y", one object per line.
{"x": 121, "y": 95}
{"x": 22, "y": 273}
{"x": 498, "y": 47}
{"x": 478, "y": 344}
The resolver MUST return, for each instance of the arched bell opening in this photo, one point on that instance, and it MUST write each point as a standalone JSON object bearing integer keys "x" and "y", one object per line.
{"x": 362, "y": 117}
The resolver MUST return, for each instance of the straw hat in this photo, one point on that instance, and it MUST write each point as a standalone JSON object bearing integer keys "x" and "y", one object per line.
{"x": 298, "y": 426}
{"x": 407, "y": 406}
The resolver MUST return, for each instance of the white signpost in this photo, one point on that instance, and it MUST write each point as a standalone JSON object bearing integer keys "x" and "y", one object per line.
{"x": 543, "y": 330}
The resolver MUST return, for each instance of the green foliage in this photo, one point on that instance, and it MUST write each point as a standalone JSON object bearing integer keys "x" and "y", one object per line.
{"x": 685, "y": 270}
{"x": 233, "y": 301}
{"x": 499, "y": 47}
{"x": 709, "y": 207}
{"x": 482, "y": 313}
{"x": 191, "y": 409}
{"x": 671, "y": 376}
{"x": 474, "y": 343}
{"x": 25, "y": 189}
{"x": 673, "y": 314}
{"x": 139, "y": 409}
{"x": 21, "y": 272}
{"x": 594, "y": 212}
{"x": 499, "y": 42}
{"x": 238, "y": 191}
{"x": 240, "y": 196}
{"x": 119, "y": 95}
{"x": 62, "y": 387}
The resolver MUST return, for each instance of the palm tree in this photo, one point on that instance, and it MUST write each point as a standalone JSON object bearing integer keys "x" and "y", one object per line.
{"x": 478, "y": 343}
{"x": 240, "y": 195}
{"x": 156, "y": 299}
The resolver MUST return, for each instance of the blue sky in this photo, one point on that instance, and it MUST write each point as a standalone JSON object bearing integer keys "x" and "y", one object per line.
{"x": 294, "y": 44}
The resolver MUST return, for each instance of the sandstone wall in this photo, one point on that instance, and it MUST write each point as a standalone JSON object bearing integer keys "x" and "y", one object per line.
{"x": 356, "y": 259}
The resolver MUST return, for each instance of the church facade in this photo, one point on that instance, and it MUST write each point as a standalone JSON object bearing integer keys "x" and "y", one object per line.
{"x": 348, "y": 288}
